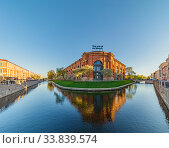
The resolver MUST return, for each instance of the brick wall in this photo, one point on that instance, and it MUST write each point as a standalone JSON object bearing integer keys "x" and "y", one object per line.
{"x": 107, "y": 59}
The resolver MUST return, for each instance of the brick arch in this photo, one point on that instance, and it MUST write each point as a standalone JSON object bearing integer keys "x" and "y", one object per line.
{"x": 98, "y": 59}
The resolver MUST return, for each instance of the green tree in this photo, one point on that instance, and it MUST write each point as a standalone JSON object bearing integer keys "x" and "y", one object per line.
{"x": 129, "y": 71}
{"x": 107, "y": 72}
{"x": 83, "y": 70}
{"x": 51, "y": 74}
{"x": 86, "y": 70}
{"x": 120, "y": 76}
{"x": 60, "y": 72}
{"x": 32, "y": 76}
{"x": 77, "y": 72}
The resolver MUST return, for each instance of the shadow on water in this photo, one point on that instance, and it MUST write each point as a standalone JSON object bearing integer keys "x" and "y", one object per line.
{"x": 96, "y": 107}
{"x": 7, "y": 101}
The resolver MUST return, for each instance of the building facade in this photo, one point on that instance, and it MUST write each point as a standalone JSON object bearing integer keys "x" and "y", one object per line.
{"x": 99, "y": 60}
{"x": 167, "y": 69}
{"x": 156, "y": 75}
{"x": 11, "y": 70}
{"x": 161, "y": 67}
{"x": 164, "y": 72}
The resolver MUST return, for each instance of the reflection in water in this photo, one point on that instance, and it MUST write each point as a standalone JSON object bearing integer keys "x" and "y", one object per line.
{"x": 5, "y": 102}
{"x": 163, "y": 106}
{"x": 96, "y": 107}
{"x": 50, "y": 86}
{"x": 59, "y": 98}
{"x": 131, "y": 91}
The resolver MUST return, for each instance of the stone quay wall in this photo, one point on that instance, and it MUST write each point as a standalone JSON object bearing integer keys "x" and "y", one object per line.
{"x": 8, "y": 89}
{"x": 163, "y": 90}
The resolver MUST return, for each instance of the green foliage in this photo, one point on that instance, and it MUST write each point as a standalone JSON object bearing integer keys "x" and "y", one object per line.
{"x": 87, "y": 69}
{"x": 77, "y": 72}
{"x": 32, "y": 76}
{"x": 36, "y": 77}
{"x": 84, "y": 70}
{"x": 51, "y": 74}
{"x": 60, "y": 72}
{"x": 120, "y": 76}
{"x": 129, "y": 71}
{"x": 107, "y": 72}
{"x": 137, "y": 77}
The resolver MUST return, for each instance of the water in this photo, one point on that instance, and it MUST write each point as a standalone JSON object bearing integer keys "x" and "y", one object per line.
{"x": 45, "y": 108}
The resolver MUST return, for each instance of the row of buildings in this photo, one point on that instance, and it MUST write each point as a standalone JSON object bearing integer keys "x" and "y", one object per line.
{"x": 163, "y": 72}
{"x": 10, "y": 70}
{"x": 99, "y": 60}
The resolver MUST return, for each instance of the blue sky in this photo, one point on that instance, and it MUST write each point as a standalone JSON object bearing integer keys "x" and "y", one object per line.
{"x": 40, "y": 35}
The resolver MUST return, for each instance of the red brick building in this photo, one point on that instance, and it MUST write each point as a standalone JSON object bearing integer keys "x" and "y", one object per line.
{"x": 99, "y": 60}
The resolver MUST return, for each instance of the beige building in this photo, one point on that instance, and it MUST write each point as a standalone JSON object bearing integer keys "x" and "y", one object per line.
{"x": 11, "y": 70}
{"x": 161, "y": 67}
{"x": 156, "y": 75}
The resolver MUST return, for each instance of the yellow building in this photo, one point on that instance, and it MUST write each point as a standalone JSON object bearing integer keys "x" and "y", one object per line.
{"x": 10, "y": 70}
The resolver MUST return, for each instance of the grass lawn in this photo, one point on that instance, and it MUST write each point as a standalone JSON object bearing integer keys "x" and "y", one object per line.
{"x": 92, "y": 84}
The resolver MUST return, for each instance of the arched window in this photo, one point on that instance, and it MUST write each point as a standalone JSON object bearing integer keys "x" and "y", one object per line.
{"x": 98, "y": 66}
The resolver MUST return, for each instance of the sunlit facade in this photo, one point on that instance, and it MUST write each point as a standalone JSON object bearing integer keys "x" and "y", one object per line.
{"x": 11, "y": 70}
{"x": 99, "y": 60}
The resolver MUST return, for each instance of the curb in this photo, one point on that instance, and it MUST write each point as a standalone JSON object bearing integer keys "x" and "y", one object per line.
{"x": 92, "y": 89}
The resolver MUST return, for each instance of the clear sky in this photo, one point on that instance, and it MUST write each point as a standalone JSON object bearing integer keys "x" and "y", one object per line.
{"x": 40, "y": 35}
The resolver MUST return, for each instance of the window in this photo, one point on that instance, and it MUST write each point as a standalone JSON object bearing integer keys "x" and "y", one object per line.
{"x": 98, "y": 66}
{"x": 1, "y": 64}
{"x": 97, "y": 63}
{"x": 0, "y": 70}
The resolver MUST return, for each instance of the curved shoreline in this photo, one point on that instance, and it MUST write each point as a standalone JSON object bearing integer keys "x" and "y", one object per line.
{"x": 91, "y": 89}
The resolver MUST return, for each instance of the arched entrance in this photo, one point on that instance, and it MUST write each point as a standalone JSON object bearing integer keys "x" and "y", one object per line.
{"x": 98, "y": 66}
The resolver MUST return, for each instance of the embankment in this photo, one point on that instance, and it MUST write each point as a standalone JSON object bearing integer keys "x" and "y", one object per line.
{"x": 8, "y": 89}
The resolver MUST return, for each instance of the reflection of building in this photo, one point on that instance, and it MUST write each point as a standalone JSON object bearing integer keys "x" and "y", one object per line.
{"x": 99, "y": 60}
{"x": 160, "y": 99}
{"x": 10, "y": 70}
{"x": 97, "y": 107}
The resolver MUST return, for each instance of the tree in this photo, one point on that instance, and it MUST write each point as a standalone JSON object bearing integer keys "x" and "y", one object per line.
{"x": 32, "y": 76}
{"x": 51, "y": 74}
{"x": 83, "y": 70}
{"x": 87, "y": 69}
{"x": 61, "y": 72}
{"x": 120, "y": 76}
{"x": 129, "y": 71}
{"x": 77, "y": 72}
{"x": 107, "y": 72}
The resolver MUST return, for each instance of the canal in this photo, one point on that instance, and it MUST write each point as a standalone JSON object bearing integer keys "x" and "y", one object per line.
{"x": 45, "y": 108}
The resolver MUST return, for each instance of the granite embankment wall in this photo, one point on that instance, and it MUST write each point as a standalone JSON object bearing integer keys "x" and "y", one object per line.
{"x": 163, "y": 90}
{"x": 9, "y": 89}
